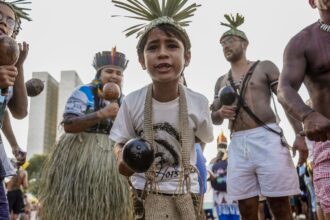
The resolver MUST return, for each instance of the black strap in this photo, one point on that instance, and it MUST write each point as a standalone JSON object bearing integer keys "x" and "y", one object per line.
{"x": 259, "y": 122}
{"x": 242, "y": 103}
{"x": 243, "y": 87}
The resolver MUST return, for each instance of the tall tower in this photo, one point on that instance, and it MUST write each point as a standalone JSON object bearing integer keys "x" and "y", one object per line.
{"x": 69, "y": 81}
{"x": 46, "y": 110}
{"x": 43, "y": 116}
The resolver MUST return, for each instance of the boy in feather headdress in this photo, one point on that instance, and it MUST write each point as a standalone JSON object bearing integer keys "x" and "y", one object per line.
{"x": 259, "y": 160}
{"x": 168, "y": 115}
{"x": 15, "y": 97}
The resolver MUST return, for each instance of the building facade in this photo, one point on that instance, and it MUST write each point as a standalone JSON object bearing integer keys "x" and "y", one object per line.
{"x": 46, "y": 110}
{"x": 69, "y": 81}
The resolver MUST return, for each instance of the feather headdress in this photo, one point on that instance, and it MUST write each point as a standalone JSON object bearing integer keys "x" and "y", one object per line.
{"x": 154, "y": 13}
{"x": 110, "y": 59}
{"x": 233, "y": 23}
{"x": 18, "y": 7}
{"x": 221, "y": 138}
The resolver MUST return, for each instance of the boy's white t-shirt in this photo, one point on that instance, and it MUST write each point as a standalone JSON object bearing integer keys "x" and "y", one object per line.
{"x": 129, "y": 124}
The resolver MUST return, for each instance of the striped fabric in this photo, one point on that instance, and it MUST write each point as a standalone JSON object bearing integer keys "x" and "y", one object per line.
{"x": 321, "y": 172}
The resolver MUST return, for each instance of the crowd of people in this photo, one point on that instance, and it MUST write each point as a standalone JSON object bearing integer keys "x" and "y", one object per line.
{"x": 140, "y": 156}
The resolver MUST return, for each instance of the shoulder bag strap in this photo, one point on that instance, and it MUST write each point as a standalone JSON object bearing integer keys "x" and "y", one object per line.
{"x": 240, "y": 92}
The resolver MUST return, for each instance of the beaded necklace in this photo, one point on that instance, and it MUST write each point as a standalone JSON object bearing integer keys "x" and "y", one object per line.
{"x": 324, "y": 27}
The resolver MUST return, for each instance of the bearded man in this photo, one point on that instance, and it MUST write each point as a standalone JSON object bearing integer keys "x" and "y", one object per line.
{"x": 259, "y": 160}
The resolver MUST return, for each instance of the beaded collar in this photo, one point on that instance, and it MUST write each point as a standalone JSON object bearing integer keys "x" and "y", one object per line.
{"x": 324, "y": 27}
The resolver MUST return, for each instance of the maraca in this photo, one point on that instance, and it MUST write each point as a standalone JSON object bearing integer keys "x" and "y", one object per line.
{"x": 34, "y": 87}
{"x": 111, "y": 91}
{"x": 9, "y": 50}
{"x": 227, "y": 95}
{"x": 138, "y": 155}
{"x": 9, "y": 53}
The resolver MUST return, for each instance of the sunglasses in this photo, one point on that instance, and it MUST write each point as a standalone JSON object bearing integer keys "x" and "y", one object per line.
{"x": 229, "y": 41}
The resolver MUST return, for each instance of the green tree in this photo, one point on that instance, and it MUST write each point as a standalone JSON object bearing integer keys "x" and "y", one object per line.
{"x": 34, "y": 169}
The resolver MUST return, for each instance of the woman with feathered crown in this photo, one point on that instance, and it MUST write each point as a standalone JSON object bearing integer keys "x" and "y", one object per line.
{"x": 80, "y": 179}
{"x": 171, "y": 117}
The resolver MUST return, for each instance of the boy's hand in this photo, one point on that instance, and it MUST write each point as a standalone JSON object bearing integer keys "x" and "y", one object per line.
{"x": 23, "y": 52}
{"x": 7, "y": 76}
{"x": 123, "y": 169}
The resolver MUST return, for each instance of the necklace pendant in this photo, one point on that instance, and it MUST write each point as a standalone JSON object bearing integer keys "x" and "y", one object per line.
{"x": 324, "y": 27}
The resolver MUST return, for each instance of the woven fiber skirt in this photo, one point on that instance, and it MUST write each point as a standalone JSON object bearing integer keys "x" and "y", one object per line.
{"x": 80, "y": 181}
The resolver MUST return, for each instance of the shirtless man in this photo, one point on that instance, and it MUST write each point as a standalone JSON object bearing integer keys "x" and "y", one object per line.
{"x": 15, "y": 187}
{"x": 258, "y": 160}
{"x": 307, "y": 60}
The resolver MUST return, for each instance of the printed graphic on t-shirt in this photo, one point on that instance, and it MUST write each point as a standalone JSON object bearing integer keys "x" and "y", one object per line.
{"x": 167, "y": 150}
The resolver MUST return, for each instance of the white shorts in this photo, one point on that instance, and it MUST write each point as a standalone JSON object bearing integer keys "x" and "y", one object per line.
{"x": 259, "y": 164}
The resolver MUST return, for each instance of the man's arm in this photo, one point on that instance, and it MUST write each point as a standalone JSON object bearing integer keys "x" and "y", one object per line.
{"x": 18, "y": 104}
{"x": 272, "y": 78}
{"x": 299, "y": 143}
{"x": 292, "y": 77}
{"x": 215, "y": 106}
{"x": 316, "y": 126}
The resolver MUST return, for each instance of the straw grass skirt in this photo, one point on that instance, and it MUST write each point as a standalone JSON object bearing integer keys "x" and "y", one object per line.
{"x": 81, "y": 181}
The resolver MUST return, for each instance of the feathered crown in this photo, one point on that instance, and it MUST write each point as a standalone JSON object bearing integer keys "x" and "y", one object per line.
{"x": 233, "y": 23}
{"x": 110, "y": 59}
{"x": 221, "y": 138}
{"x": 154, "y": 14}
{"x": 20, "y": 12}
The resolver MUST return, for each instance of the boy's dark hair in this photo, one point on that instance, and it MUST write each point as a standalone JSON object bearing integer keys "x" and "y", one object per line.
{"x": 170, "y": 31}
